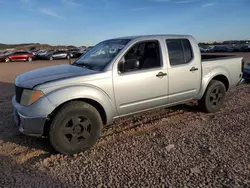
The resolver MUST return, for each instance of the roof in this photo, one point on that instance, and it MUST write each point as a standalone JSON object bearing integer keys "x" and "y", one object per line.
{"x": 145, "y": 36}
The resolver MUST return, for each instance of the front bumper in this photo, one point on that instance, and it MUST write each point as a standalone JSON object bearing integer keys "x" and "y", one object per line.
{"x": 28, "y": 125}
{"x": 31, "y": 126}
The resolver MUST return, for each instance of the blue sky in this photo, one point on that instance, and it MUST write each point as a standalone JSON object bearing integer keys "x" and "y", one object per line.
{"x": 86, "y": 22}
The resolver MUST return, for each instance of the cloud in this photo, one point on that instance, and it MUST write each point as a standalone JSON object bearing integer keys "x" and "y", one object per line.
{"x": 208, "y": 5}
{"x": 71, "y": 3}
{"x": 50, "y": 12}
{"x": 138, "y": 9}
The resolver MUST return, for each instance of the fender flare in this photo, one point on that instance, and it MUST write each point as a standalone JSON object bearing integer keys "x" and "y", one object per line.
{"x": 219, "y": 71}
{"x": 64, "y": 94}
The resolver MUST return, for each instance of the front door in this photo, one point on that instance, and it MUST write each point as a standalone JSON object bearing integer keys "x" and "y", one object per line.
{"x": 143, "y": 88}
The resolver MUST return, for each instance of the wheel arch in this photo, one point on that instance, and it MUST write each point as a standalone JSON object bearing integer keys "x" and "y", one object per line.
{"x": 221, "y": 75}
{"x": 86, "y": 93}
{"x": 223, "y": 79}
{"x": 92, "y": 102}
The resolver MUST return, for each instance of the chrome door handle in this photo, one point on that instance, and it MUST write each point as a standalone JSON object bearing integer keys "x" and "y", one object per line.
{"x": 161, "y": 74}
{"x": 194, "y": 69}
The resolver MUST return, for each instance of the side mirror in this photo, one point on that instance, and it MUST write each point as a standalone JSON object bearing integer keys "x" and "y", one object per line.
{"x": 132, "y": 64}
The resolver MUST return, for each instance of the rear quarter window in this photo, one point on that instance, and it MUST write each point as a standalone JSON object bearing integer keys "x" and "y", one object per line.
{"x": 175, "y": 52}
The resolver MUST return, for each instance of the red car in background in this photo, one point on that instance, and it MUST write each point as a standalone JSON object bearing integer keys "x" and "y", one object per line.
{"x": 18, "y": 56}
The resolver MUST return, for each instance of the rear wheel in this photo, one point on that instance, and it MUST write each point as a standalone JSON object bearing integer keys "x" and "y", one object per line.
{"x": 214, "y": 97}
{"x": 75, "y": 128}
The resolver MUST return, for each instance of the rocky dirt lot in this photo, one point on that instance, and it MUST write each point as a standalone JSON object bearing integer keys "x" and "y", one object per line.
{"x": 175, "y": 147}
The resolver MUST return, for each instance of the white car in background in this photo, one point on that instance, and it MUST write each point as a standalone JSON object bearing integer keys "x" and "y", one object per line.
{"x": 210, "y": 48}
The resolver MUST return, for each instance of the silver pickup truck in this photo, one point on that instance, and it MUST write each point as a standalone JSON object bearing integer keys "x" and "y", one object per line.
{"x": 116, "y": 78}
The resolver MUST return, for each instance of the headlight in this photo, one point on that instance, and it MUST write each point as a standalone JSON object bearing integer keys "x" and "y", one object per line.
{"x": 30, "y": 96}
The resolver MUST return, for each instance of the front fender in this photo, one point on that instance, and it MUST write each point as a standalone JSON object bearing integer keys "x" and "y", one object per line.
{"x": 62, "y": 95}
{"x": 209, "y": 75}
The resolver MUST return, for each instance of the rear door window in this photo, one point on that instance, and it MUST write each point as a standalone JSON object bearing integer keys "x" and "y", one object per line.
{"x": 180, "y": 51}
{"x": 175, "y": 52}
{"x": 187, "y": 50}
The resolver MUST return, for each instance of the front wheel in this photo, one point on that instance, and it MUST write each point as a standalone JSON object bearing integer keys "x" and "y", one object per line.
{"x": 75, "y": 128}
{"x": 214, "y": 97}
{"x": 29, "y": 59}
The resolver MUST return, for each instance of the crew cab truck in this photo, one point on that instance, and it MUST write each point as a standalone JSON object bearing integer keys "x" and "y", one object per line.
{"x": 119, "y": 77}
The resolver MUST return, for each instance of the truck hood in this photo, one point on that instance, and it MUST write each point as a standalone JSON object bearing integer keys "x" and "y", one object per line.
{"x": 39, "y": 76}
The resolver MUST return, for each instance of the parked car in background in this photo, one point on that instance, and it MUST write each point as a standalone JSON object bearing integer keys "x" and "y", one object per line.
{"x": 246, "y": 72}
{"x": 220, "y": 49}
{"x": 2, "y": 57}
{"x": 202, "y": 49}
{"x": 34, "y": 51}
{"x": 71, "y": 103}
{"x": 39, "y": 51}
{"x": 60, "y": 54}
{"x": 245, "y": 48}
{"x": 229, "y": 49}
{"x": 42, "y": 54}
{"x": 18, "y": 56}
{"x": 209, "y": 49}
{"x": 78, "y": 53}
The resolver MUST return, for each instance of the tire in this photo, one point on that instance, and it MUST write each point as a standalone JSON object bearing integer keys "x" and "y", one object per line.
{"x": 29, "y": 59}
{"x": 75, "y": 128}
{"x": 7, "y": 60}
{"x": 213, "y": 97}
{"x": 51, "y": 58}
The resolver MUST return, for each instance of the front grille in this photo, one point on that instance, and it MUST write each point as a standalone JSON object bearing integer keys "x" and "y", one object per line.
{"x": 19, "y": 92}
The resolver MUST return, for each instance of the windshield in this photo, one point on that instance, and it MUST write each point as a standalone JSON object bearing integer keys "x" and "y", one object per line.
{"x": 102, "y": 54}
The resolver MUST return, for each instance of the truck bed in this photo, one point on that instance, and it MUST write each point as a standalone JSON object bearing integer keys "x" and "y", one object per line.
{"x": 228, "y": 65}
{"x": 212, "y": 57}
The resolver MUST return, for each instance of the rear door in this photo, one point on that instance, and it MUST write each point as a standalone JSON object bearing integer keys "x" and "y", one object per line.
{"x": 184, "y": 70}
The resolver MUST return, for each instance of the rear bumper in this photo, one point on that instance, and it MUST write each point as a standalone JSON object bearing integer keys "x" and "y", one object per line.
{"x": 240, "y": 82}
{"x": 246, "y": 75}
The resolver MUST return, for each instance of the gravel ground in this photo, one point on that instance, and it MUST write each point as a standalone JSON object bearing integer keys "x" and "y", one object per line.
{"x": 174, "y": 147}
